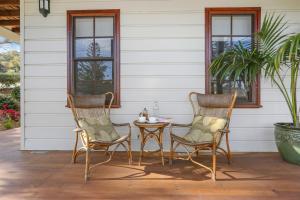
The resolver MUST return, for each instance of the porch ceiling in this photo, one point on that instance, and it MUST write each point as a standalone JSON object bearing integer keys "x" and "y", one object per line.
{"x": 10, "y": 15}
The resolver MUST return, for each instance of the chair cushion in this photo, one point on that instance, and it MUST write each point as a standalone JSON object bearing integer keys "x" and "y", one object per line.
{"x": 99, "y": 129}
{"x": 203, "y": 128}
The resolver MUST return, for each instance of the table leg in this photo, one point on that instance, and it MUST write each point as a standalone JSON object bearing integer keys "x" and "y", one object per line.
{"x": 142, "y": 145}
{"x": 161, "y": 133}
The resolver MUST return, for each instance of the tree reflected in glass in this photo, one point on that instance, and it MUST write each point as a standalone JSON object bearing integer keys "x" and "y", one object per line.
{"x": 91, "y": 70}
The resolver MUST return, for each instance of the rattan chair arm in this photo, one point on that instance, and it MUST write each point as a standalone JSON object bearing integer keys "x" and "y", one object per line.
{"x": 122, "y": 124}
{"x": 181, "y": 125}
{"x": 220, "y": 132}
{"x": 174, "y": 125}
{"x": 223, "y": 131}
{"x": 78, "y": 129}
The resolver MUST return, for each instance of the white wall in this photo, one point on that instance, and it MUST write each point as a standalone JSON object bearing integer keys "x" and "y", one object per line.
{"x": 162, "y": 58}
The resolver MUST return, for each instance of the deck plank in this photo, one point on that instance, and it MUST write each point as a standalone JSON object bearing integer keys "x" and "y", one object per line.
{"x": 50, "y": 175}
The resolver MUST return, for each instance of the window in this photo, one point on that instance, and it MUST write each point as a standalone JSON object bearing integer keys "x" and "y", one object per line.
{"x": 225, "y": 27}
{"x": 93, "y": 53}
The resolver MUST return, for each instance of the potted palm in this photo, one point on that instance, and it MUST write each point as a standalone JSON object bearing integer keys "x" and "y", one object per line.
{"x": 276, "y": 55}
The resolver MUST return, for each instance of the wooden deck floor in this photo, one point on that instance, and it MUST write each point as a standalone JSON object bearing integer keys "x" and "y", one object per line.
{"x": 28, "y": 175}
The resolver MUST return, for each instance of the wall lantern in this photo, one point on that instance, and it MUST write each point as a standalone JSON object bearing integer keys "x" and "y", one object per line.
{"x": 44, "y": 6}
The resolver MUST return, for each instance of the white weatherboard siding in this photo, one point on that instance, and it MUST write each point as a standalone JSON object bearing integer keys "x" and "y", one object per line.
{"x": 162, "y": 58}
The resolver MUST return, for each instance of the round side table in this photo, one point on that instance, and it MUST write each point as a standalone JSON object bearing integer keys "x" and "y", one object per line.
{"x": 148, "y": 131}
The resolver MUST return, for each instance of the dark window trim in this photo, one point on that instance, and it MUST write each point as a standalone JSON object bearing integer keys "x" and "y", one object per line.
{"x": 256, "y": 12}
{"x": 116, "y": 48}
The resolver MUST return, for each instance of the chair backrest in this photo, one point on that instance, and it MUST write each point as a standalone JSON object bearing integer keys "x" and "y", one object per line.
{"x": 93, "y": 106}
{"x": 214, "y": 105}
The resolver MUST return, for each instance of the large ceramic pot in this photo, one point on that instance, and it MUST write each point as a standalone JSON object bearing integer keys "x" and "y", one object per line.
{"x": 288, "y": 142}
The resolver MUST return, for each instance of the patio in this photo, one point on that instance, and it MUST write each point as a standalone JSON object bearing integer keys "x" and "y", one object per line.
{"x": 164, "y": 67}
{"x": 50, "y": 175}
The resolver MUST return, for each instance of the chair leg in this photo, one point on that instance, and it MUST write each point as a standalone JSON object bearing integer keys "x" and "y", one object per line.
{"x": 106, "y": 151}
{"x": 129, "y": 152}
{"x": 141, "y": 153}
{"x": 228, "y": 149}
{"x": 74, "y": 156}
{"x": 87, "y": 165}
{"x": 171, "y": 152}
{"x": 214, "y": 162}
{"x": 161, "y": 146}
{"x": 197, "y": 152}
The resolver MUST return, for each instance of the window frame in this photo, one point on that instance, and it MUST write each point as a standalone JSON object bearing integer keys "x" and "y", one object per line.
{"x": 71, "y": 59}
{"x": 256, "y": 12}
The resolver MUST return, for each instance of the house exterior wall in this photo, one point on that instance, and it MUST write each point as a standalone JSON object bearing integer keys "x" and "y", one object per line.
{"x": 162, "y": 58}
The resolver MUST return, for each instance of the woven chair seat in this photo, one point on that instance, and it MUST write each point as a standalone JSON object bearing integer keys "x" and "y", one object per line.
{"x": 189, "y": 143}
{"x": 119, "y": 140}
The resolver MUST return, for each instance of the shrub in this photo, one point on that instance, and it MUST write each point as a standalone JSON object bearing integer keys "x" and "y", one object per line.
{"x": 11, "y": 103}
{"x": 9, "y": 113}
{"x": 8, "y": 79}
{"x": 9, "y": 118}
{"x": 15, "y": 93}
{"x": 2, "y": 68}
{"x": 10, "y": 60}
{"x": 8, "y": 123}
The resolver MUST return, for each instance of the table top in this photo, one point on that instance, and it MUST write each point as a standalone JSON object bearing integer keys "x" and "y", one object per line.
{"x": 151, "y": 125}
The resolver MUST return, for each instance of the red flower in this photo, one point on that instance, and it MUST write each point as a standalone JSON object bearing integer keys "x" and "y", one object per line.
{"x": 5, "y": 106}
{"x": 11, "y": 113}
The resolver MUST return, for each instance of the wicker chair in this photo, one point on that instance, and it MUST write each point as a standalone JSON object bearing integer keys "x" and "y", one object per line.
{"x": 212, "y": 107}
{"x": 97, "y": 132}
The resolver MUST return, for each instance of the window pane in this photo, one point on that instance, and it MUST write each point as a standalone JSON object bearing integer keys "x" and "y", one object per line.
{"x": 104, "y": 70}
{"x": 244, "y": 94}
{"x": 103, "y": 47}
{"x": 85, "y": 70}
{"x": 103, "y": 87}
{"x": 221, "y": 25}
{"x": 245, "y": 41}
{"x": 219, "y": 45}
{"x": 84, "y": 48}
{"x": 104, "y": 26}
{"x": 227, "y": 86}
{"x": 241, "y": 25}
{"x": 94, "y": 77}
{"x": 84, "y": 87}
{"x": 84, "y": 27}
